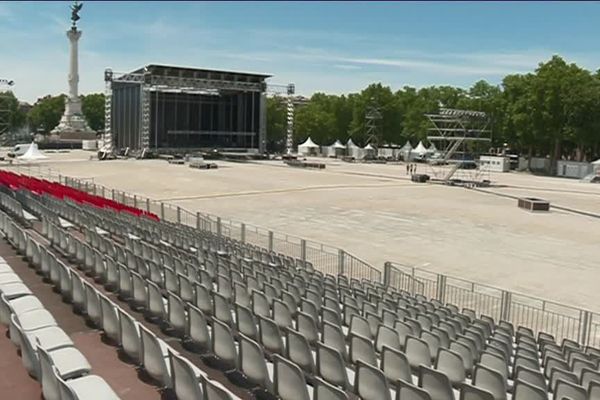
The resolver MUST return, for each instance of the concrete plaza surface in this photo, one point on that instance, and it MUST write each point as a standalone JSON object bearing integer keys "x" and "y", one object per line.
{"x": 374, "y": 212}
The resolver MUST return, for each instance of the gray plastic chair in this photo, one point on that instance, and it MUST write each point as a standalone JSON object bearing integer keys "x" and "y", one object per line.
{"x": 470, "y": 392}
{"x": 289, "y": 382}
{"x": 521, "y": 360}
{"x": 408, "y": 391}
{"x": 282, "y": 315}
{"x": 139, "y": 297}
{"x": 246, "y": 322}
{"x": 395, "y": 366}
{"x": 260, "y": 304}
{"x": 93, "y": 307}
{"x": 433, "y": 342}
{"x": 154, "y": 357}
{"x": 579, "y": 365}
{"x": 155, "y": 309}
{"x": 50, "y": 371}
{"x": 370, "y": 383}
{"x": 594, "y": 390}
{"x": 215, "y": 391}
{"x": 78, "y": 293}
{"x": 86, "y": 387}
{"x": 17, "y": 306}
{"x": 203, "y": 299}
{"x": 588, "y": 376}
{"x": 571, "y": 391}
{"x": 222, "y": 309}
{"x": 333, "y": 336}
{"x": 417, "y": 353}
{"x": 298, "y": 351}
{"x": 51, "y": 339}
{"x": 110, "y": 319}
{"x": 223, "y": 345}
{"x": 495, "y": 362}
{"x": 490, "y": 380}
{"x": 451, "y": 364}
{"x": 270, "y": 335}
{"x": 176, "y": 314}
{"x": 307, "y": 326}
{"x": 523, "y": 390}
{"x": 559, "y": 374}
{"x": 360, "y": 326}
{"x": 325, "y": 391}
{"x": 125, "y": 286}
{"x": 531, "y": 376}
{"x": 552, "y": 363}
{"x": 436, "y": 383}
{"x": 197, "y": 330}
{"x": 387, "y": 336}
{"x": 253, "y": 365}
{"x": 187, "y": 379}
{"x": 362, "y": 349}
{"x": 129, "y": 332}
{"x": 403, "y": 331}
{"x": 331, "y": 366}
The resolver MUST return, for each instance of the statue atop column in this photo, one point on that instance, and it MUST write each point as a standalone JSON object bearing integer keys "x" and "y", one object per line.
{"x": 75, "y": 8}
{"x": 73, "y": 124}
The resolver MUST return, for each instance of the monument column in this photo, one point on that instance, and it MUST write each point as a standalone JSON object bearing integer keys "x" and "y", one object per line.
{"x": 74, "y": 35}
{"x": 73, "y": 124}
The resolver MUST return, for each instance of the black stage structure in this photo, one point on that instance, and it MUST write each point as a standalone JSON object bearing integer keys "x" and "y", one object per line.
{"x": 167, "y": 108}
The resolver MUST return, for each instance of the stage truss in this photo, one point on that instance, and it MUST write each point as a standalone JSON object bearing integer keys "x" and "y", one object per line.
{"x": 151, "y": 83}
{"x": 460, "y": 136}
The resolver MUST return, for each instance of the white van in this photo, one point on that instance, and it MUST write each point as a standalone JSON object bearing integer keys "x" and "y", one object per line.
{"x": 19, "y": 150}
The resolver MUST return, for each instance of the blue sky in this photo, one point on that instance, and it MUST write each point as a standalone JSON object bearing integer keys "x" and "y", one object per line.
{"x": 331, "y": 47}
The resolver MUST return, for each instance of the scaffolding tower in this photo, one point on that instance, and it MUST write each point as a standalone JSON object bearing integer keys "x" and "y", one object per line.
{"x": 5, "y": 109}
{"x": 460, "y": 136}
{"x": 373, "y": 119}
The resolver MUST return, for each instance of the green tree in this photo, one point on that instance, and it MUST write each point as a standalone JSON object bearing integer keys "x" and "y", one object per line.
{"x": 46, "y": 112}
{"x": 276, "y": 123}
{"x": 11, "y": 117}
{"x": 92, "y": 106}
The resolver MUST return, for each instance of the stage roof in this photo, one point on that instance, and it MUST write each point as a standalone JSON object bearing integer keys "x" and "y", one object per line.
{"x": 189, "y": 72}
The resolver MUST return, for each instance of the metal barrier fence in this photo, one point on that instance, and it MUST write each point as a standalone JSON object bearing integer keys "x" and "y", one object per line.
{"x": 560, "y": 320}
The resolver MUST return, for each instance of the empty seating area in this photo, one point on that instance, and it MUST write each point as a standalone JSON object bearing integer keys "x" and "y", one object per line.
{"x": 273, "y": 325}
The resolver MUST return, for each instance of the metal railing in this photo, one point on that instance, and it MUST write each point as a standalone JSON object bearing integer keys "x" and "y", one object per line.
{"x": 560, "y": 320}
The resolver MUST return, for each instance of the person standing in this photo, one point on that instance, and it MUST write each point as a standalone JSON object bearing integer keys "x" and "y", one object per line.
{"x": 407, "y": 168}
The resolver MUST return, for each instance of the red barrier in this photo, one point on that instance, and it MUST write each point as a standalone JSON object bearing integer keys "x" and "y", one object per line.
{"x": 40, "y": 186}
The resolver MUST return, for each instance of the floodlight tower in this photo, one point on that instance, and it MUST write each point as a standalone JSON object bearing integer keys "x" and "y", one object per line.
{"x": 5, "y": 110}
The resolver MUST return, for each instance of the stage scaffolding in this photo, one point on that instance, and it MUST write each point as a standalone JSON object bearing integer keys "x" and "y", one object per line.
{"x": 460, "y": 136}
{"x": 164, "y": 108}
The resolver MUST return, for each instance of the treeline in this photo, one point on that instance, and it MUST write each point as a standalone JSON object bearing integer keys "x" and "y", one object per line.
{"x": 554, "y": 112}
{"x": 45, "y": 114}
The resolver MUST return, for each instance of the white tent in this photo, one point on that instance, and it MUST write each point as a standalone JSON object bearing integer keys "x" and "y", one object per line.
{"x": 32, "y": 153}
{"x": 353, "y": 150}
{"x": 338, "y": 145}
{"x": 308, "y": 148}
{"x": 596, "y": 166}
{"x": 369, "y": 151}
{"x": 337, "y": 149}
{"x": 432, "y": 149}
{"x": 406, "y": 150}
{"x": 420, "y": 149}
